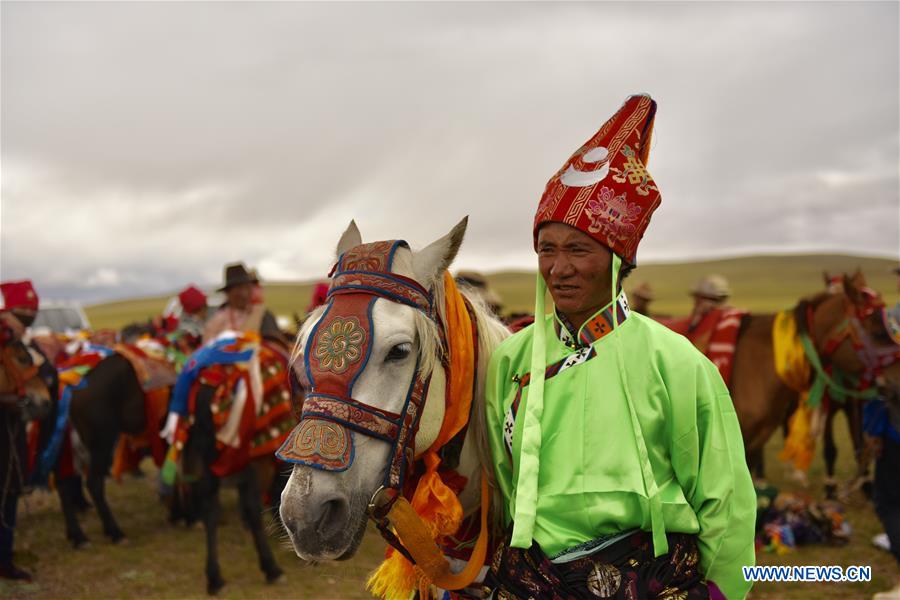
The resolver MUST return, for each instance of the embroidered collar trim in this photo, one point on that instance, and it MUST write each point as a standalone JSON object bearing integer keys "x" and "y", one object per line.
{"x": 595, "y": 328}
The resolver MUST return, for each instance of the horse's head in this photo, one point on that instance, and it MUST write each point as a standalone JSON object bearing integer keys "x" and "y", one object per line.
{"x": 367, "y": 358}
{"x": 19, "y": 376}
{"x": 847, "y": 325}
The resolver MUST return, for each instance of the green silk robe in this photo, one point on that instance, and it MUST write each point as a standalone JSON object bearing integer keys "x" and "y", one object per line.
{"x": 589, "y": 479}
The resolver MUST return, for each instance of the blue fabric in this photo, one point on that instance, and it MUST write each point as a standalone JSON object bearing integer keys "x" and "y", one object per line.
{"x": 213, "y": 354}
{"x": 103, "y": 351}
{"x": 51, "y": 452}
{"x": 877, "y": 422}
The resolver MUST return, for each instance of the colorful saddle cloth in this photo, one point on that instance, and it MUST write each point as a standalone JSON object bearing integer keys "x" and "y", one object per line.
{"x": 155, "y": 376}
{"x": 715, "y": 336}
{"x": 251, "y": 402}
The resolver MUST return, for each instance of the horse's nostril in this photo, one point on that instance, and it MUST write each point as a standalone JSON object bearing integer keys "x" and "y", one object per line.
{"x": 335, "y": 515}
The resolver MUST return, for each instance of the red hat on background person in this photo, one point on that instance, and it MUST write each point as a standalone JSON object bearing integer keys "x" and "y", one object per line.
{"x": 18, "y": 307}
{"x": 319, "y": 296}
{"x": 192, "y": 300}
{"x": 604, "y": 189}
{"x": 18, "y": 296}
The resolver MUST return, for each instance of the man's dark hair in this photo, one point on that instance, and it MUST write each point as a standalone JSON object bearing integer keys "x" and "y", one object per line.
{"x": 624, "y": 271}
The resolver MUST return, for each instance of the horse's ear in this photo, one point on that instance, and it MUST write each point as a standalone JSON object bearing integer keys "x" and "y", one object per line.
{"x": 826, "y": 278}
{"x": 852, "y": 289}
{"x": 430, "y": 262}
{"x": 855, "y": 282}
{"x": 350, "y": 239}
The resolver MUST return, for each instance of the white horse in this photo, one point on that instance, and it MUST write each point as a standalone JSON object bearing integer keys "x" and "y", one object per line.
{"x": 325, "y": 508}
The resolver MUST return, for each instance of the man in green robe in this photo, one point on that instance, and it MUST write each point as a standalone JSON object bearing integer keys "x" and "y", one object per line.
{"x": 616, "y": 446}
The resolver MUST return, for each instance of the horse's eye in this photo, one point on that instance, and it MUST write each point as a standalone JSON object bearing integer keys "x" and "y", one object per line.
{"x": 398, "y": 352}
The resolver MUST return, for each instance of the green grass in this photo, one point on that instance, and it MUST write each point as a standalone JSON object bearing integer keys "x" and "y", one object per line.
{"x": 160, "y": 561}
{"x": 759, "y": 283}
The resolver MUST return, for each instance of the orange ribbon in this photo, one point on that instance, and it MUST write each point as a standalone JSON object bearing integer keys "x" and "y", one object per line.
{"x": 435, "y": 511}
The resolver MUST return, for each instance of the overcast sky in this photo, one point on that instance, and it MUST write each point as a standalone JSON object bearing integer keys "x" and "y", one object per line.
{"x": 145, "y": 145}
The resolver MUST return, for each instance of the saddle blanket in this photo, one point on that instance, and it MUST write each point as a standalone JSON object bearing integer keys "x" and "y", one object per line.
{"x": 715, "y": 336}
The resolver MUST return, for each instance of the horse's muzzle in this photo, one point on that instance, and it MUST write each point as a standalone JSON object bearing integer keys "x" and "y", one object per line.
{"x": 321, "y": 526}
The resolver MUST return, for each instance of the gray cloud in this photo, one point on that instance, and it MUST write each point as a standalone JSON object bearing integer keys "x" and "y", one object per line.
{"x": 145, "y": 144}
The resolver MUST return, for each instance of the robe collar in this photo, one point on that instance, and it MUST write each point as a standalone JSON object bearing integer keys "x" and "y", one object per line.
{"x": 597, "y": 327}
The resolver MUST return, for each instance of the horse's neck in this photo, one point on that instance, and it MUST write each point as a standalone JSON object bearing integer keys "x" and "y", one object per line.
{"x": 469, "y": 463}
{"x": 474, "y": 455}
{"x": 470, "y": 468}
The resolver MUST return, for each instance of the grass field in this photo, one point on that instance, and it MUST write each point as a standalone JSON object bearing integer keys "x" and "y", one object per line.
{"x": 160, "y": 561}
{"x": 167, "y": 562}
{"x": 760, "y": 283}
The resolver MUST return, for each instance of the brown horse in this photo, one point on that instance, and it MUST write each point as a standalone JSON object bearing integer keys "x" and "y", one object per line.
{"x": 852, "y": 410}
{"x": 110, "y": 402}
{"x": 837, "y": 324}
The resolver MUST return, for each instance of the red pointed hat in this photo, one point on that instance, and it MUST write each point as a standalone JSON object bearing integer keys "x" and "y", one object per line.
{"x": 604, "y": 189}
{"x": 18, "y": 295}
{"x": 192, "y": 299}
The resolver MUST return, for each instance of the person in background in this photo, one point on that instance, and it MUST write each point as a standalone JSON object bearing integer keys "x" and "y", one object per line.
{"x": 479, "y": 284}
{"x": 710, "y": 293}
{"x": 239, "y": 313}
{"x": 194, "y": 310}
{"x": 641, "y": 296}
{"x": 258, "y": 295}
{"x": 881, "y": 425}
{"x": 18, "y": 308}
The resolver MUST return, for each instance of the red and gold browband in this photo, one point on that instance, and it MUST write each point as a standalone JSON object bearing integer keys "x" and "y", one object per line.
{"x": 385, "y": 285}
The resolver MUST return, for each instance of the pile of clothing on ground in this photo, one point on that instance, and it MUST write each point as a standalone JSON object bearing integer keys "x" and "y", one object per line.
{"x": 784, "y": 521}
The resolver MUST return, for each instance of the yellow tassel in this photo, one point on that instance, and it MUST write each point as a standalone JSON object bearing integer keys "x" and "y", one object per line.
{"x": 790, "y": 358}
{"x": 394, "y": 579}
{"x": 800, "y": 445}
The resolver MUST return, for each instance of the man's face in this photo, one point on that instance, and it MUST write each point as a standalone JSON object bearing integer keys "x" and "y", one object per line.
{"x": 239, "y": 295}
{"x": 577, "y": 270}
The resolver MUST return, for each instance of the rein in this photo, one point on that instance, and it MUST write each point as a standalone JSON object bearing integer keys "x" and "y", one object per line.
{"x": 336, "y": 353}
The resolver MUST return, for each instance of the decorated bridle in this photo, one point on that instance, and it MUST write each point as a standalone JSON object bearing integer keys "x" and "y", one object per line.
{"x": 850, "y": 329}
{"x": 17, "y": 375}
{"x": 336, "y": 354}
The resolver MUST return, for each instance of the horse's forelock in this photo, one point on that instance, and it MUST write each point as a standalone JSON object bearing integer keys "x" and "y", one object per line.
{"x": 311, "y": 319}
